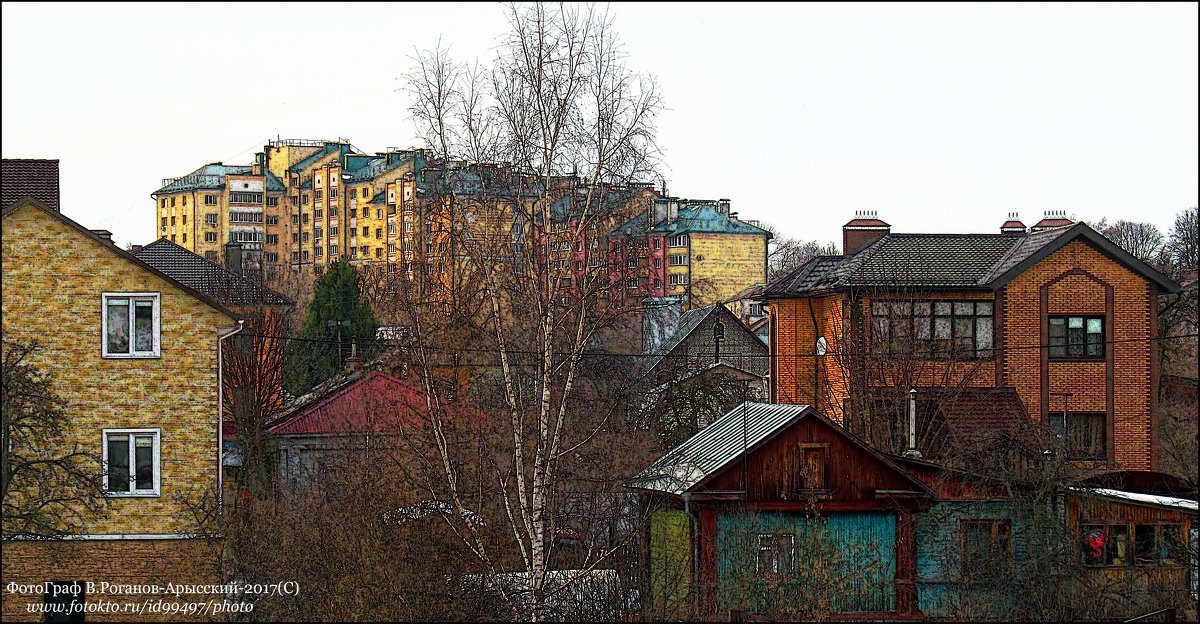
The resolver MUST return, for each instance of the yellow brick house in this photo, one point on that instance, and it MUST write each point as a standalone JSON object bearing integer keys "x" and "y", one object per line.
{"x": 134, "y": 354}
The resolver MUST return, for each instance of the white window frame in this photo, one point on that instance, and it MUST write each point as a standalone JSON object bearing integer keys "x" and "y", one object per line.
{"x": 157, "y": 457}
{"x": 156, "y": 352}
{"x": 679, "y": 240}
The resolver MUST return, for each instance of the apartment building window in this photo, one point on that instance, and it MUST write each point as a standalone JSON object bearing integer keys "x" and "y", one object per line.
{"x": 131, "y": 460}
{"x": 245, "y": 198}
{"x": 185, "y": 200}
{"x": 391, "y": 229}
{"x": 378, "y": 232}
{"x": 272, "y": 201}
{"x": 210, "y": 200}
{"x": 578, "y": 245}
{"x": 333, "y": 231}
{"x": 318, "y": 231}
{"x": 247, "y": 237}
{"x": 408, "y": 226}
{"x": 332, "y": 191}
{"x": 295, "y": 238}
{"x": 631, "y": 282}
{"x": 679, "y": 240}
{"x": 391, "y": 249}
{"x": 1080, "y": 337}
{"x": 271, "y": 256}
{"x": 1082, "y": 436}
{"x": 185, "y": 237}
{"x": 164, "y": 223}
{"x": 756, "y": 309}
{"x": 317, "y": 251}
{"x": 986, "y": 548}
{"x": 272, "y": 239}
{"x": 131, "y": 325}
{"x": 172, "y": 221}
{"x": 677, "y": 259}
{"x": 379, "y": 252}
{"x": 364, "y": 192}
{"x": 210, "y": 237}
{"x": 658, "y": 263}
{"x": 245, "y": 217}
{"x": 305, "y": 219}
{"x": 379, "y": 213}
{"x": 677, "y": 279}
{"x": 773, "y": 555}
{"x": 959, "y": 330}
{"x": 318, "y": 195}
{"x": 272, "y": 220}
{"x": 333, "y": 249}
{"x": 172, "y": 202}
{"x": 295, "y": 219}
{"x": 658, "y": 243}
{"x": 163, "y": 202}
{"x": 318, "y": 213}
{"x": 366, "y": 231}
{"x": 211, "y": 255}
{"x": 304, "y": 199}
{"x": 304, "y": 237}
{"x": 185, "y": 219}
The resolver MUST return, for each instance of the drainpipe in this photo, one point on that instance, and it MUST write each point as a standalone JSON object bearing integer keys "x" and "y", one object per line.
{"x": 687, "y": 499}
{"x": 912, "y": 451}
{"x": 221, "y": 414}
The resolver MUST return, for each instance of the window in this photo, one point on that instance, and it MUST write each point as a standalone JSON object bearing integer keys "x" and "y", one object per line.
{"x": 304, "y": 219}
{"x": 245, "y": 217}
{"x": 211, "y": 255}
{"x": 317, "y": 251}
{"x": 172, "y": 221}
{"x": 333, "y": 249}
{"x": 678, "y": 260}
{"x": 245, "y": 198}
{"x": 185, "y": 237}
{"x": 756, "y": 309}
{"x": 1077, "y": 337}
{"x": 210, "y": 200}
{"x": 172, "y": 202}
{"x": 185, "y": 219}
{"x": 185, "y": 200}
{"x": 378, "y": 232}
{"x": 631, "y": 262}
{"x": 164, "y": 223}
{"x": 164, "y": 202}
{"x": 959, "y": 330}
{"x": 304, "y": 199}
{"x": 366, "y": 213}
{"x": 272, "y": 201}
{"x": 318, "y": 195}
{"x": 1157, "y": 544}
{"x": 679, "y": 240}
{"x": 272, "y": 220}
{"x": 333, "y": 231}
{"x": 364, "y": 192}
{"x": 131, "y": 325}
{"x": 379, "y": 252}
{"x": 379, "y": 213}
{"x": 247, "y": 237}
{"x": 272, "y": 239}
{"x": 318, "y": 231}
{"x": 1105, "y": 544}
{"x": 131, "y": 462}
{"x": 631, "y": 282}
{"x": 210, "y": 237}
{"x": 658, "y": 243}
{"x": 1082, "y": 436}
{"x": 271, "y": 256}
{"x": 658, "y": 263}
{"x": 677, "y": 279}
{"x": 318, "y": 213}
{"x": 986, "y": 549}
{"x": 392, "y": 229}
{"x": 366, "y": 231}
{"x": 304, "y": 237}
{"x": 332, "y": 191}
{"x": 773, "y": 555}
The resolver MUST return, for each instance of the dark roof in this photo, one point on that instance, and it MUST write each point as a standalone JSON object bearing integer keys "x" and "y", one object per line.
{"x": 978, "y": 415}
{"x": 688, "y": 322}
{"x": 207, "y": 276}
{"x": 108, "y": 244}
{"x": 951, "y": 261}
{"x": 327, "y": 149}
{"x": 29, "y": 177}
{"x": 210, "y": 176}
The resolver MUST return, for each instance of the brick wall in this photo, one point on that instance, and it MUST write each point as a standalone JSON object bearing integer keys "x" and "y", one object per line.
{"x": 125, "y": 562}
{"x": 731, "y": 264}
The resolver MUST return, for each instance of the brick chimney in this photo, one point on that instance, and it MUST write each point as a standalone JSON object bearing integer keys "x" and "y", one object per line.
{"x": 864, "y": 229}
{"x": 1052, "y": 219}
{"x": 1013, "y": 226}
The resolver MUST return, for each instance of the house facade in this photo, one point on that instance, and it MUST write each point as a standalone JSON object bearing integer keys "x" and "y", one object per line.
{"x": 1057, "y": 312}
{"x": 134, "y": 355}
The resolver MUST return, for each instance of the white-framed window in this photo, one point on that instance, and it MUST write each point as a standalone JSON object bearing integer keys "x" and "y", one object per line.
{"x": 679, "y": 240}
{"x": 210, "y": 237}
{"x": 677, "y": 259}
{"x": 132, "y": 458}
{"x": 210, "y": 218}
{"x": 130, "y": 325}
{"x": 677, "y": 279}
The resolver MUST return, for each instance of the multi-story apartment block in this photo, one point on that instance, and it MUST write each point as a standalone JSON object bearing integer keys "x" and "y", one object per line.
{"x": 134, "y": 355}
{"x": 1058, "y": 315}
{"x": 696, "y": 248}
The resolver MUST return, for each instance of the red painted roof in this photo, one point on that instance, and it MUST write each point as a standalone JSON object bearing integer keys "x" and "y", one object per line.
{"x": 377, "y": 402}
{"x": 1012, "y": 224}
{"x": 868, "y": 223}
{"x": 1050, "y": 222}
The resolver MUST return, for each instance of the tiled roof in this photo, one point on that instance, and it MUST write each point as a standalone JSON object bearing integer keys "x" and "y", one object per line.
{"x": 953, "y": 261}
{"x": 706, "y": 219}
{"x": 715, "y": 446}
{"x": 978, "y": 415}
{"x": 28, "y": 177}
{"x": 375, "y": 402}
{"x": 206, "y": 276}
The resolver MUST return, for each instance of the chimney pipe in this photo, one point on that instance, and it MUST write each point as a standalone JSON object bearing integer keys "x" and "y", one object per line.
{"x": 865, "y": 228}
{"x": 912, "y": 451}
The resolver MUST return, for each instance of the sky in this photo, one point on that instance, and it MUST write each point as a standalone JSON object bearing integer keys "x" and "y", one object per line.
{"x": 941, "y": 118}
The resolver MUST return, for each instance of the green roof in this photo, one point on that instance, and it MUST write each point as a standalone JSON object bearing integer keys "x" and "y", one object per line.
{"x": 380, "y": 198}
{"x": 211, "y": 176}
{"x": 706, "y": 219}
{"x": 273, "y": 182}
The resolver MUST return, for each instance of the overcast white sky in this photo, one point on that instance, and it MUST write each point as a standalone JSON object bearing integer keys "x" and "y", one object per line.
{"x": 940, "y": 117}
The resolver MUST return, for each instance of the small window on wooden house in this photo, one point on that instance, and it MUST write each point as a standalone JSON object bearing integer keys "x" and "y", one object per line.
{"x": 1157, "y": 544}
{"x": 813, "y": 467}
{"x": 1105, "y": 545}
{"x": 774, "y": 554}
{"x": 986, "y": 549}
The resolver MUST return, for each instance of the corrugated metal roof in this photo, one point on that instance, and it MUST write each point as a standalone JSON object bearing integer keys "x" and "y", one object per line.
{"x": 714, "y": 446}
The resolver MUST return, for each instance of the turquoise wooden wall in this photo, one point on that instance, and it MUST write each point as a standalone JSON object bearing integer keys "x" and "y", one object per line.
{"x": 940, "y": 592}
{"x": 844, "y": 563}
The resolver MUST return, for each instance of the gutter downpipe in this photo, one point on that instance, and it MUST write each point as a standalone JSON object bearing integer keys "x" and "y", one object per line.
{"x": 221, "y": 415}
{"x": 687, "y": 499}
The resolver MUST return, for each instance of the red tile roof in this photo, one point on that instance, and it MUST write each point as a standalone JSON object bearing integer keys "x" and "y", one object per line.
{"x": 377, "y": 402}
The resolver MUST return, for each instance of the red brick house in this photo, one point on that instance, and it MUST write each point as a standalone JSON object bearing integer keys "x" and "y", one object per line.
{"x": 1058, "y": 313}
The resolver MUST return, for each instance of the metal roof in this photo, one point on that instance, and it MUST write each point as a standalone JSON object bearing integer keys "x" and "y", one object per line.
{"x": 705, "y": 219}
{"x": 713, "y": 447}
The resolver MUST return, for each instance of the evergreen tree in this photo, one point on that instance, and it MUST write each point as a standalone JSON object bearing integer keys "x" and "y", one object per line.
{"x": 337, "y": 318}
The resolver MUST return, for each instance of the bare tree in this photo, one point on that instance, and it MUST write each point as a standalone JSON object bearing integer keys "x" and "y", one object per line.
{"x": 1181, "y": 244}
{"x": 1142, "y": 240}
{"x": 785, "y": 253}
{"x": 49, "y": 485}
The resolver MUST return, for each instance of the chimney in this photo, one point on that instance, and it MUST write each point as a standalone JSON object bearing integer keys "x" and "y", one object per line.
{"x": 1013, "y": 226}
{"x": 233, "y": 255}
{"x": 135, "y": 248}
{"x": 723, "y": 206}
{"x": 733, "y": 218}
{"x": 864, "y": 229}
{"x": 105, "y": 234}
{"x": 658, "y": 210}
{"x": 1052, "y": 219}
{"x": 256, "y": 169}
